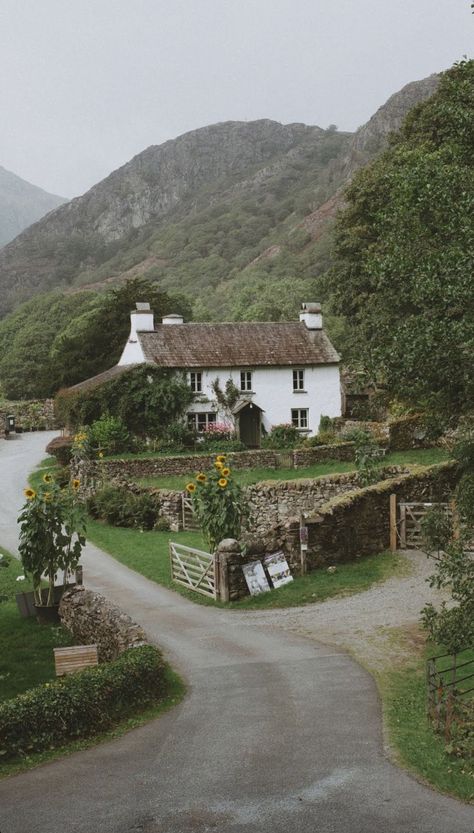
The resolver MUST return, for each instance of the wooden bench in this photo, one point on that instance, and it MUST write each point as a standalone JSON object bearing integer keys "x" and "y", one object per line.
{"x": 69, "y": 660}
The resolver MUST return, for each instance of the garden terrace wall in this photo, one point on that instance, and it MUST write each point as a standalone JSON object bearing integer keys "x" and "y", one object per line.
{"x": 409, "y": 432}
{"x": 187, "y": 465}
{"x": 93, "y": 620}
{"x": 358, "y": 523}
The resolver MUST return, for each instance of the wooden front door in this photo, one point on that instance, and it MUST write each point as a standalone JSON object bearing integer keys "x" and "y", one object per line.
{"x": 249, "y": 426}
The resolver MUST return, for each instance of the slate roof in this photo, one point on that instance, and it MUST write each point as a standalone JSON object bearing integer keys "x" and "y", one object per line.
{"x": 246, "y": 344}
{"x": 102, "y": 378}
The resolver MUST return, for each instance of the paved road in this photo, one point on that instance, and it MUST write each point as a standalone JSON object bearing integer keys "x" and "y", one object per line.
{"x": 277, "y": 733}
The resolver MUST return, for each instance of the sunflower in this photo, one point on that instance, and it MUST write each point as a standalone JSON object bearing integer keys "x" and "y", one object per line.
{"x": 29, "y": 493}
{"x": 221, "y": 458}
{"x": 201, "y": 478}
{"x": 191, "y": 487}
{"x": 47, "y": 478}
{"x": 218, "y": 465}
{"x": 100, "y": 455}
{"x": 75, "y": 484}
{"x": 222, "y": 482}
{"x": 225, "y": 472}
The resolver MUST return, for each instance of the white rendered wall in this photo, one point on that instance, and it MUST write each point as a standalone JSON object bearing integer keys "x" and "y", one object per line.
{"x": 132, "y": 352}
{"x": 273, "y": 392}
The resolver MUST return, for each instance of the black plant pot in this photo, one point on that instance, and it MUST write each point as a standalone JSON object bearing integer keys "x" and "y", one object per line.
{"x": 47, "y": 614}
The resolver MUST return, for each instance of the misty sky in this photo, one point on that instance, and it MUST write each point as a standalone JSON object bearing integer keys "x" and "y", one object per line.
{"x": 87, "y": 84}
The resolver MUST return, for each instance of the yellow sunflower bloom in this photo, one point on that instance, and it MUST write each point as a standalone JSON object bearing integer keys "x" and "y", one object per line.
{"x": 29, "y": 493}
{"x": 191, "y": 487}
{"x": 75, "y": 484}
{"x": 47, "y": 478}
{"x": 218, "y": 465}
{"x": 100, "y": 455}
{"x": 225, "y": 472}
{"x": 201, "y": 478}
{"x": 220, "y": 458}
{"x": 222, "y": 482}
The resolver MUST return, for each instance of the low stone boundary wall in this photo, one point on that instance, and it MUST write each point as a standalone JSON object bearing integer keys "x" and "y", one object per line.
{"x": 358, "y": 523}
{"x": 187, "y": 465}
{"x": 92, "y": 619}
{"x": 30, "y": 415}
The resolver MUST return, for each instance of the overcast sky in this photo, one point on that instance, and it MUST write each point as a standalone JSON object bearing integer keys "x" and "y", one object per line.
{"x": 87, "y": 84}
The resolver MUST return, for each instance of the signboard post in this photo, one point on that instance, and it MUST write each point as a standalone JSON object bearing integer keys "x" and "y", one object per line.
{"x": 303, "y": 544}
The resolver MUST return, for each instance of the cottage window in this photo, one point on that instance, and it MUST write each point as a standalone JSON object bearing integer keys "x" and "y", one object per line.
{"x": 245, "y": 380}
{"x": 298, "y": 380}
{"x": 195, "y": 381}
{"x": 201, "y": 422}
{"x": 299, "y": 418}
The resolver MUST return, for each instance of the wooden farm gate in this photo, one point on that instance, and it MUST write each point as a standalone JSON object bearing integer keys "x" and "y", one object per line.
{"x": 194, "y": 569}
{"x": 188, "y": 517}
{"x": 405, "y": 522}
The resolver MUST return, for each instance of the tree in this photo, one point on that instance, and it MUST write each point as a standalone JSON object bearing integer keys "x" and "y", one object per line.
{"x": 404, "y": 255}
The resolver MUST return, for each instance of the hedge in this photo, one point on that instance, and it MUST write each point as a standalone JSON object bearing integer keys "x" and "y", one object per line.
{"x": 81, "y": 704}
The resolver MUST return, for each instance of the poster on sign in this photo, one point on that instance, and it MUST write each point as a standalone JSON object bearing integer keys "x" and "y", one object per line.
{"x": 256, "y": 579}
{"x": 278, "y": 569}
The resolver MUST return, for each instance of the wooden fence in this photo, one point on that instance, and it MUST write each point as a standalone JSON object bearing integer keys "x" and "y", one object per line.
{"x": 449, "y": 678}
{"x": 188, "y": 516}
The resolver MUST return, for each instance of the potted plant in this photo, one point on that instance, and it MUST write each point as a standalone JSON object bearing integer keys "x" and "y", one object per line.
{"x": 52, "y": 528}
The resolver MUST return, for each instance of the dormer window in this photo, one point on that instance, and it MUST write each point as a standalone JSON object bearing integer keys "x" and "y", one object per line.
{"x": 195, "y": 381}
{"x": 245, "y": 380}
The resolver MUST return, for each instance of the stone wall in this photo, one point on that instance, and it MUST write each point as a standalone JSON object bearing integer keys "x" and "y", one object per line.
{"x": 409, "y": 432}
{"x": 94, "y": 620}
{"x": 187, "y": 465}
{"x": 274, "y": 502}
{"x": 358, "y": 523}
{"x": 35, "y": 414}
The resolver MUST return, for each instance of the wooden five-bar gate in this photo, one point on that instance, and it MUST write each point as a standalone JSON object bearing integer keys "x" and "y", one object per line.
{"x": 194, "y": 569}
{"x": 406, "y": 522}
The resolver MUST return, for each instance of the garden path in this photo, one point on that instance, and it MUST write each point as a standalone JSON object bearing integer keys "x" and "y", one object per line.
{"x": 277, "y": 732}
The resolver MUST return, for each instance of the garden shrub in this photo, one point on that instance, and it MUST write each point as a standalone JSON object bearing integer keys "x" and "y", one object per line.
{"x": 176, "y": 437}
{"x": 120, "y": 507}
{"x": 82, "y": 704}
{"x": 282, "y": 436}
{"x": 109, "y": 434}
{"x": 61, "y": 448}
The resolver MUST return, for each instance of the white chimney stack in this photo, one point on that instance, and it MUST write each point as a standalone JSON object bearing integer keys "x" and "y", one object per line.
{"x": 172, "y": 318}
{"x": 141, "y": 320}
{"x": 311, "y": 315}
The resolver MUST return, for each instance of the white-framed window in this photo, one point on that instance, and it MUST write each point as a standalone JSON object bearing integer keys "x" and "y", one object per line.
{"x": 245, "y": 380}
{"x": 300, "y": 418}
{"x": 298, "y": 380}
{"x": 201, "y": 422}
{"x": 195, "y": 381}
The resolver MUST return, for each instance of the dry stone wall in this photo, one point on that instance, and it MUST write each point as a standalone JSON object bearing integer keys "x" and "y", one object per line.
{"x": 186, "y": 465}
{"x": 94, "y": 620}
{"x": 358, "y": 523}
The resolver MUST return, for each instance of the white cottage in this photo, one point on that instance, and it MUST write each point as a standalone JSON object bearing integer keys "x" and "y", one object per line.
{"x": 285, "y": 372}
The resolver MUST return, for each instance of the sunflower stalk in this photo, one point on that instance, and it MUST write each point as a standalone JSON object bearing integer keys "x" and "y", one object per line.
{"x": 218, "y": 503}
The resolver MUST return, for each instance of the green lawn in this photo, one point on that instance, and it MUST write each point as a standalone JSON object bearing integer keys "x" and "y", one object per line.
{"x": 26, "y": 648}
{"x": 417, "y": 746}
{"x": 148, "y": 554}
{"x": 424, "y": 457}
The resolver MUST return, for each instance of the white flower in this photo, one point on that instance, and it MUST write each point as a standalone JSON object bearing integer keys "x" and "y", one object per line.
{"x": 20, "y": 578}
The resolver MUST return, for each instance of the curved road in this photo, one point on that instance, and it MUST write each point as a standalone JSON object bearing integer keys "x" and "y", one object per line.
{"x": 276, "y": 733}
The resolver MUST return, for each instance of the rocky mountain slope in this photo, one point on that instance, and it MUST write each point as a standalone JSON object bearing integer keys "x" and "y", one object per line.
{"x": 202, "y": 212}
{"x": 21, "y": 204}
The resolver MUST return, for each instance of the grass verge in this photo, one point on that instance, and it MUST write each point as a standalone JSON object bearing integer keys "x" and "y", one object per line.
{"x": 26, "y": 648}
{"x": 415, "y": 744}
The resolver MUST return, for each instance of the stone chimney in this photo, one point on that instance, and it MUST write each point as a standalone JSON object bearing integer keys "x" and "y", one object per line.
{"x": 172, "y": 318}
{"x": 141, "y": 320}
{"x": 311, "y": 315}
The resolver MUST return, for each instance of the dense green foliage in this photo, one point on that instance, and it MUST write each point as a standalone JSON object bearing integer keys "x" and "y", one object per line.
{"x": 57, "y": 340}
{"x": 79, "y": 705}
{"x": 405, "y": 254}
{"x": 109, "y": 434}
{"x": 145, "y": 398}
{"x": 119, "y": 506}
